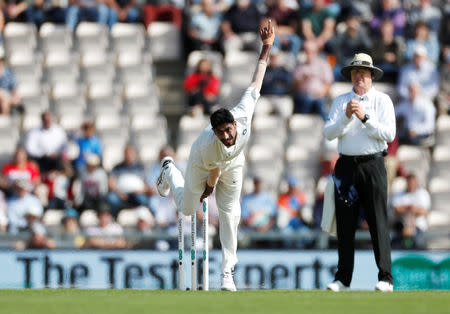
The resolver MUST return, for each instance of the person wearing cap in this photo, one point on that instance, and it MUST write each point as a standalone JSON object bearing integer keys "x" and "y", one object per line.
{"x": 9, "y": 97}
{"x": 422, "y": 71}
{"x": 363, "y": 121}
{"x": 20, "y": 204}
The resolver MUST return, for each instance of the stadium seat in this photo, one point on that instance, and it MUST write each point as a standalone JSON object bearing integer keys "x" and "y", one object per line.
{"x": 60, "y": 66}
{"x": 263, "y": 162}
{"x": 339, "y": 88}
{"x": 239, "y": 67}
{"x": 398, "y": 185}
{"x": 415, "y": 160}
{"x": 102, "y": 99}
{"x": 440, "y": 165}
{"x": 19, "y": 37}
{"x": 264, "y": 107}
{"x": 54, "y": 37}
{"x": 282, "y": 105}
{"x": 127, "y": 217}
{"x": 305, "y": 130}
{"x": 88, "y": 218}
{"x": 112, "y": 155}
{"x": 53, "y": 217}
{"x": 443, "y": 130}
{"x": 26, "y": 65}
{"x": 189, "y": 128}
{"x": 302, "y": 163}
{"x": 140, "y": 98}
{"x": 154, "y": 134}
{"x": 71, "y": 122}
{"x": 165, "y": 41}
{"x": 31, "y": 121}
{"x": 270, "y": 131}
{"x": 127, "y": 36}
{"x": 96, "y": 66}
{"x": 132, "y": 66}
{"x": 213, "y": 56}
{"x": 91, "y": 37}
{"x": 439, "y": 189}
{"x": 183, "y": 152}
{"x": 67, "y": 98}
{"x": 32, "y": 97}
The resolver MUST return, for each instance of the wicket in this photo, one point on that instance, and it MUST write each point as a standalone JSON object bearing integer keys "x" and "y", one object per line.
{"x": 205, "y": 255}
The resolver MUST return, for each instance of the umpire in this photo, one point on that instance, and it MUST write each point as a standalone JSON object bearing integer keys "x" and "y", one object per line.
{"x": 363, "y": 120}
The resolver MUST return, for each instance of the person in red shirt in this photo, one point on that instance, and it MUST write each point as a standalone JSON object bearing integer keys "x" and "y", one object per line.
{"x": 20, "y": 168}
{"x": 202, "y": 87}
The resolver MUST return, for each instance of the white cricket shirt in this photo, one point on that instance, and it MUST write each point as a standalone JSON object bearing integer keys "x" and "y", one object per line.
{"x": 357, "y": 138}
{"x": 209, "y": 152}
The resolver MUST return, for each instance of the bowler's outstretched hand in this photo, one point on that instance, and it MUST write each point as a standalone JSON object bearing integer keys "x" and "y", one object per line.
{"x": 267, "y": 33}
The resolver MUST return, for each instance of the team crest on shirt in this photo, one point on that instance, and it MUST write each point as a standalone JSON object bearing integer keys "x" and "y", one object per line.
{"x": 244, "y": 132}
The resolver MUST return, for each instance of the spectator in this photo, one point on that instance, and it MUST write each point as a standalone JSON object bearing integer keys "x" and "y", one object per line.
{"x": 388, "y": 52}
{"x": 278, "y": 80}
{"x": 39, "y": 237}
{"x": 108, "y": 234}
{"x": 123, "y": 11}
{"x": 354, "y": 38}
{"x": 58, "y": 183}
{"x": 9, "y": 97}
{"x": 26, "y": 12}
{"x": 88, "y": 143}
{"x": 415, "y": 118}
{"x": 160, "y": 10}
{"x": 258, "y": 208}
{"x": 318, "y": 23}
{"x": 94, "y": 184}
{"x": 312, "y": 82}
{"x": 427, "y": 13}
{"x": 444, "y": 91}
{"x": 126, "y": 183}
{"x": 422, "y": 36}
{"x": 240, "y": 27}
{"x": 46, "y": 144}
{"x": 3, "y": 213}
{"x": 72, "y": 231}
{"x": 204, "y": 28}
{"x": 202, "y": 87}
{"x": 420, "y": 71}
{"x": 410, "y": 214}
{"x": 389, "y": 9}
{"x": 86, "y": 10}
{"x": 21, "y": 168}
{"x": 20, "y": 204}
{"x": 286, "y": 28}
{"x": 145, "y": 221}
{"x": 289, "y": 217}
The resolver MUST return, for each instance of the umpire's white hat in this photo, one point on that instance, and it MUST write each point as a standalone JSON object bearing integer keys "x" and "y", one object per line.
{"x": 361, "y": 60}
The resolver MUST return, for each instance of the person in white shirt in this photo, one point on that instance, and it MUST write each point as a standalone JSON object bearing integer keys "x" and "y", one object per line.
{"x": 416, "y": 117}
{"x": 363, "y": 121}
{"x": 421, "y": 70}
{"x": 410, "y": 211}
{"x": 47, "y": 143}
{"x": 216, "y": 161}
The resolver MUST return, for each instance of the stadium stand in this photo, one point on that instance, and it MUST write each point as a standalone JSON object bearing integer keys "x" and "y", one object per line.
{"x": 125, "y": 79}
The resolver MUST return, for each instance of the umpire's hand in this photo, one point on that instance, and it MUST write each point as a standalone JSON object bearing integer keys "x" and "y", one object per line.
{"x": 207, "y": 192}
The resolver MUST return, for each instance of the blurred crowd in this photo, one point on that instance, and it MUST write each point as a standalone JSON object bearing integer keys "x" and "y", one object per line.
{"x": 55, "y": 176}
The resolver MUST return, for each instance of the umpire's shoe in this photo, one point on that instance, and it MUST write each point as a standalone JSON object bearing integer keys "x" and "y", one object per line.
{"x": 337, "y": 286}
{"x": 161, "y": 183}
{"x": 228, "y": 281}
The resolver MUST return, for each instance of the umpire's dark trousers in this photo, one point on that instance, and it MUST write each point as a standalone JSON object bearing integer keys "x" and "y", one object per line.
{"x": 368, "y": 176}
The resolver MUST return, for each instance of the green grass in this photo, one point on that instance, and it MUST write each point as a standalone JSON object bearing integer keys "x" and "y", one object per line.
{"x": 67, "y": 301}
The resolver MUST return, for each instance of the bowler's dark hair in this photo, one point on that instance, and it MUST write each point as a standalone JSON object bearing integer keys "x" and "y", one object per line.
{"x": 221, "y": 116}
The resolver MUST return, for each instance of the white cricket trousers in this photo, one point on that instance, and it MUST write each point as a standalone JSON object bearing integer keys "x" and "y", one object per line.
{"x": 228, "y": 189}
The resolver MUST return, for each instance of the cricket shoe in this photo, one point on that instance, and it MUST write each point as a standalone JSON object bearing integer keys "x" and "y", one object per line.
{"x": 384, "y": 286}
{"x": 161, "y": 183}
{"x": 337, "y": 286}
{"x": 228, "y": 281}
